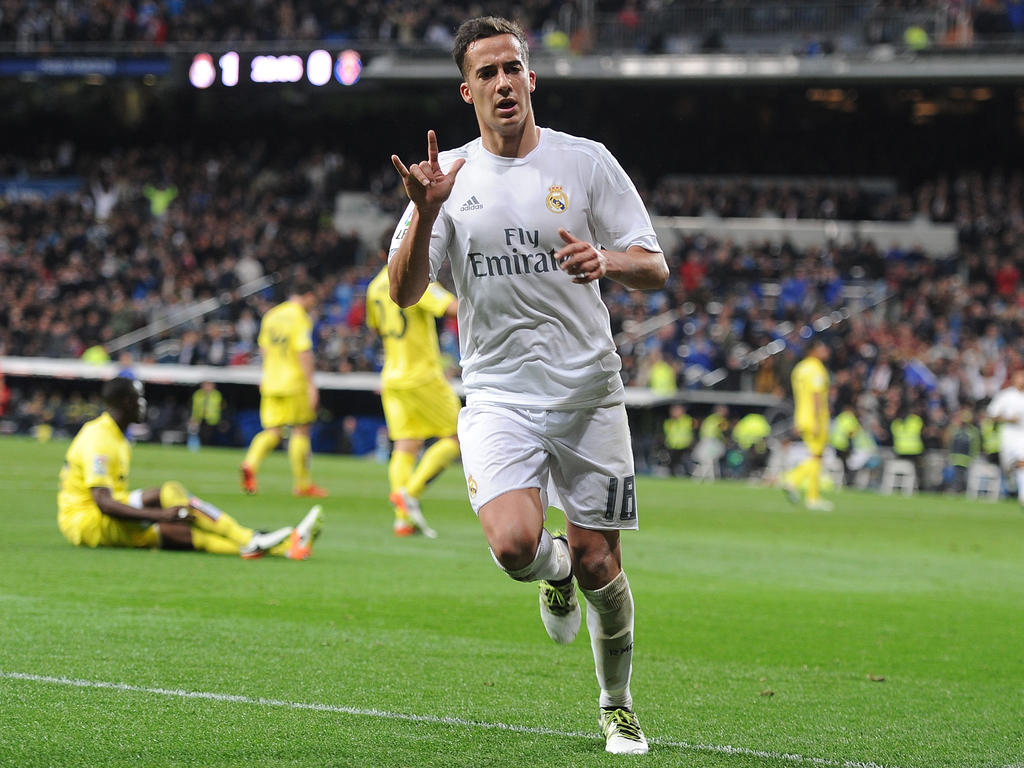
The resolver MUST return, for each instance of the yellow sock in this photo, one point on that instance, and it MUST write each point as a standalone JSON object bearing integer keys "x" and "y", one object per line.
{"x": 260, "y": 448}
{"x": 795, "y": 476}
{"x": 280, "y": 549}
{"x": 399, "y": 471}
{"x": 211, "y": 542}
{"x": 813, "y": 480}
{"x": 300, "y": 455}
{"x": 207, "y": 517}
{"x": 435, "y": 459}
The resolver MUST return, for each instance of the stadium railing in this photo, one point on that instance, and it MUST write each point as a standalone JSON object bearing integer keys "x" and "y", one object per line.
{"x": 190, "y": 376}
{"x": 934, "y": 239}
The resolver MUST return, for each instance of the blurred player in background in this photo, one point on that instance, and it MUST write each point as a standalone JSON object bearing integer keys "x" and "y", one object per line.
{"x": 418, "y": 401}
{"x": 96, "y": 509}
{"x": 811, "y": 419}
{"x": 288, "y": 396}
{"x": 517, "y": 212}
{"x": 1007, "y": 410}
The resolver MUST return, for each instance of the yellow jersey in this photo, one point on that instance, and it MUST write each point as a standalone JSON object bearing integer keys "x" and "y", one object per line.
{"x": 286, "y": 331}
{"x": 412, "y": 355}
{"x": 100, "y": 456}
{"x": 810, "y": 378}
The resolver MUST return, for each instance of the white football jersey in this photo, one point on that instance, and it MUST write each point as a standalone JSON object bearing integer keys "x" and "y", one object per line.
{"x": 529, "y": 336}
{"x": 1009, "y": 404}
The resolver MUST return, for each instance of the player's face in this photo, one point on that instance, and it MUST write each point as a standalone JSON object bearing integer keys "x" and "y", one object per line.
{"x": 498, "y": 84}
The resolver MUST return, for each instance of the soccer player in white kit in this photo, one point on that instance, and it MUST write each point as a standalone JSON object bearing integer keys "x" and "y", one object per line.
{"x": 1007, "y": 409}
{"x": 530, "y": 220}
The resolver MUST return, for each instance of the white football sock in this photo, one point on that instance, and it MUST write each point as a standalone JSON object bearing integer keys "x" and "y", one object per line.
{"x": 550, "y": 563}
{"x": 610, "y": 622}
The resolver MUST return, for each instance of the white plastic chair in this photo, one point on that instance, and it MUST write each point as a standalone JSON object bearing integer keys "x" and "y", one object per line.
{"x": 984, "y": 480}
{"x": 899, "y": 475}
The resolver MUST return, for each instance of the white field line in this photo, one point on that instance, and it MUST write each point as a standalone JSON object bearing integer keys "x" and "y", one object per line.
{"x": 432, "y": 719}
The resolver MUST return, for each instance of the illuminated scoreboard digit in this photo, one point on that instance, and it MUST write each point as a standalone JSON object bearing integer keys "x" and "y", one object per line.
{"x": 318, "y": 68}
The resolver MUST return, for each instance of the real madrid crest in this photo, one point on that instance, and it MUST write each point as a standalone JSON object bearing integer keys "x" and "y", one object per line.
{"x": 472, "y": 486}
{"x": 558, "y": 201}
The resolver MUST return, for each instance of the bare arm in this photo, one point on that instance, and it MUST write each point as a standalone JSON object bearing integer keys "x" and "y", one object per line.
{"x": 427, "y": 187}
{"x": 635, "y": 267}
{"x": 409, "y": 267}
{"x": 151, "y": 510}
{"x": 307, "y": 365}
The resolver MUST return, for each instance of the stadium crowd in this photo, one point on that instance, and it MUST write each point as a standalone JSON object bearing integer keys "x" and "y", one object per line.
{"x": 41, "y": 24}
{"x": 45, "y": 24}
{"x": 149, "y": 233}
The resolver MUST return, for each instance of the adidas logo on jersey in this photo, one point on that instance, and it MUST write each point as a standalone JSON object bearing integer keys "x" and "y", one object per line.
{"x": 471, "y": 205}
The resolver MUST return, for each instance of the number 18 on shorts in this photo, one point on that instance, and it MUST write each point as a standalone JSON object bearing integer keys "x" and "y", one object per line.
{"x": 580, "y": 460}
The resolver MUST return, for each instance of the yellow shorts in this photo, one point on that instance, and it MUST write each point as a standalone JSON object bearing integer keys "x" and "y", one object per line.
{"x": 431, "y": 410}
{"x": 91, "y": 528}
{"x": 285, "y": 410}
{"x": 815, "y": 441}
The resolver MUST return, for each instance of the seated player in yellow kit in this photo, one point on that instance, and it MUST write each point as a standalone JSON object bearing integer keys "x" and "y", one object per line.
{"x": 811, "y": 419}
{"x": 96, "y": 509}
{"x": 418, "y": 401}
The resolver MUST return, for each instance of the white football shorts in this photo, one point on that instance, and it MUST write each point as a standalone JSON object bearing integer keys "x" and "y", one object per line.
{"x": 580, "y": 460}
{"x": 1010, "y": 452}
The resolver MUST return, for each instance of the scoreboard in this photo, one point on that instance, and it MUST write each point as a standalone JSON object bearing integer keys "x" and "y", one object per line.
{"x": 230, "y": 69}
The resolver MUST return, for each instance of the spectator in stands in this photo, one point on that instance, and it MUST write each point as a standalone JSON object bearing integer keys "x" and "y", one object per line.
{"x": 907, "y": 430}
{"x": 750, "y": 435}
{"x": 963, "y": 443}
{"x": 661, "y": 374}
{"x": 990, "y": 438}
{"x": 678, "y": 435}
{"x": 712, "y": 436}
{"x": 207, "y": 411}
{"x": 842, "y": 434}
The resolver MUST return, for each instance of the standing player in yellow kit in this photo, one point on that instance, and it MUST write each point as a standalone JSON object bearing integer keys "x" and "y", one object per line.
{"x": 96, "y": 509}
{"x": 418, "y": 401}
{"x": 288, "y": 396}
{"x": 811, "y": 419}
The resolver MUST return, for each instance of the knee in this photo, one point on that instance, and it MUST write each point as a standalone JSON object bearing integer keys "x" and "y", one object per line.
{"x": 594, "y": 568}
{"x": 513, "y": 551}
{"x": 173, "y": 494}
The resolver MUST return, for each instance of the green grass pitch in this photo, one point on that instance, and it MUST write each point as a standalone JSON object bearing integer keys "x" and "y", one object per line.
{"x": 888, "y": 633}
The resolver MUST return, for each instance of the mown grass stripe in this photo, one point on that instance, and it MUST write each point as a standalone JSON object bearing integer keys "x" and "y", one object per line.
{"x": 431, "y": 719}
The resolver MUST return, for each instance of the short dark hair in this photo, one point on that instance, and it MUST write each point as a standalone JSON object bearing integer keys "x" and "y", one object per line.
{"x": 484, "y": 27}
{"x": 117, "y": 392}
{"x": 302, "y": 287}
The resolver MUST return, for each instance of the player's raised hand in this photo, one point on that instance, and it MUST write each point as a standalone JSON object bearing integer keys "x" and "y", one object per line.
{"x": 580, "y": 259}
{"x": 425, "y": 183}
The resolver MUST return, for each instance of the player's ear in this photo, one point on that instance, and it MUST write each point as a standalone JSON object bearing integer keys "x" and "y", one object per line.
{"x": 467, "y": 95}
{"x": 533, "y": 80}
